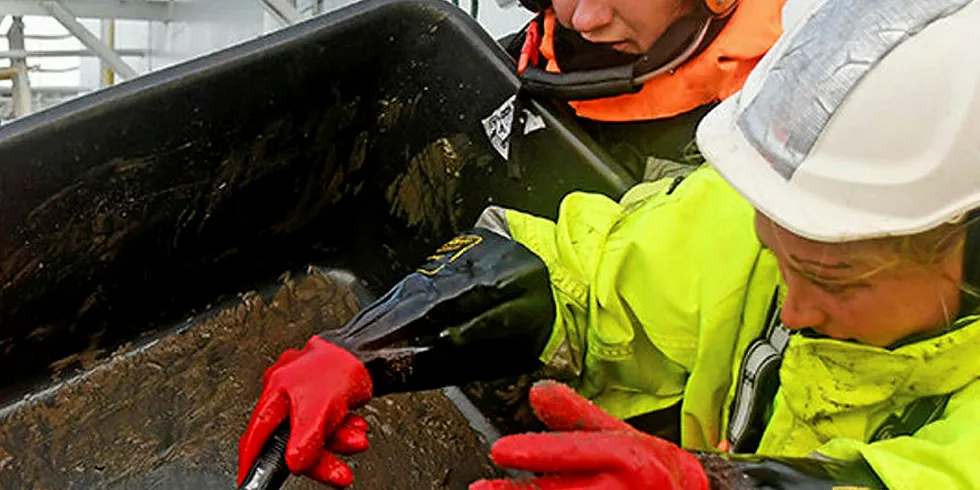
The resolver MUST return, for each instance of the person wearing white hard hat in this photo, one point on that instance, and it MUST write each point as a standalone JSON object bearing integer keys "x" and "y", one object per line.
{"x": 807, "y": 300}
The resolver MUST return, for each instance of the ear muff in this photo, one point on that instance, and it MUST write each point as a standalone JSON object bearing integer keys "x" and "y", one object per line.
{"x": 720, "y": 8}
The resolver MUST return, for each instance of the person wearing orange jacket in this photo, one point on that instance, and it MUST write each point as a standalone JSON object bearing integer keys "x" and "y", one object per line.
{"x": 639, "y": 75}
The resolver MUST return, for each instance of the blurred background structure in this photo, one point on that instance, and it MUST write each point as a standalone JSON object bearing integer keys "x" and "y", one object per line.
{"x": 55, "y": 50}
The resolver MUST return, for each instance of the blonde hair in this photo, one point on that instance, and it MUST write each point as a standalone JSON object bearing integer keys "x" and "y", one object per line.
{"x": 929, "y": 247}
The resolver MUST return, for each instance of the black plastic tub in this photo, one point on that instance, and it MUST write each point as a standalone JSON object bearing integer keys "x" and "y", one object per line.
{"x": 145, "y": 227}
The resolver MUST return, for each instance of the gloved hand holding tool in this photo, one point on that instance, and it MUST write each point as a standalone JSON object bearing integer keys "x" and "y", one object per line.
{"x": 480, "y": 299}
{"x": 313, "y": 389}
{"x": 590, "y": 450}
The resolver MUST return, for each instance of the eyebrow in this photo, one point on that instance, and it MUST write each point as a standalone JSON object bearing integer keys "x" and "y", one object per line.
{"x": 833, "y": 266}
{"x": 836, "y": 266}
{"x": 813, "y": 276}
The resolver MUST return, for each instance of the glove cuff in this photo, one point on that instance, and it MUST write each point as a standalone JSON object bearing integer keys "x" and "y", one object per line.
{"x": 479, "y": 308}
{"x": 342, "y": 358}
{"x": 723, "y": 473}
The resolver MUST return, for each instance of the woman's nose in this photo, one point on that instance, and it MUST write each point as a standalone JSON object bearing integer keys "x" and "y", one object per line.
{"x": 591, "y": 15}
{"x": 801, "y": 308}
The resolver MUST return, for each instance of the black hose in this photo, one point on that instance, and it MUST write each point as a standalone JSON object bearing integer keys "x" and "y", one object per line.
{"x": 269, "y": 471}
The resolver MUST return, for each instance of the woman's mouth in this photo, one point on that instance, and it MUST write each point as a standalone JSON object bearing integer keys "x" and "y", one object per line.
{"x": 623, "y": 46}
{"x": 617, "y": 44}
{"x": 833, "y": 334}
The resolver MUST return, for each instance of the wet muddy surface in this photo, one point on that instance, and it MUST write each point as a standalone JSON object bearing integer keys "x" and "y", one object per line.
{"x": 168, "y": 413}
{"x": 505, "y": 402}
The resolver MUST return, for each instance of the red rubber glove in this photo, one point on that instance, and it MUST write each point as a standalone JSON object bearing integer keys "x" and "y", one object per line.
{"x": 350, "y": 437}
{"x": 590, "y": 450}
{"x": 315, "y": 388}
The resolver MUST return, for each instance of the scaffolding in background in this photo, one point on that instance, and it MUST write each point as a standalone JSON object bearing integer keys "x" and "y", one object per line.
{"x": 18, "y": 97}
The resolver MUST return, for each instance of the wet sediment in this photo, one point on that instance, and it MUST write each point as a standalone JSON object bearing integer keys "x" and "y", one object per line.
{"x": 168, "y": 413}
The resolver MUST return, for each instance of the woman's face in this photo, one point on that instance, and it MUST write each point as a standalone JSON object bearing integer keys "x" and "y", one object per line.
{"x": 628, "y": 26}
{"x": 861, "y": 291}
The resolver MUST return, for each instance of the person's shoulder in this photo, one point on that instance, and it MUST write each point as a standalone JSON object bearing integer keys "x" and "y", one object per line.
{"x": 699, "y": 184}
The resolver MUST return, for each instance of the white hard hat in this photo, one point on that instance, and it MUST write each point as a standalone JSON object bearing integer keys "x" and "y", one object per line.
{"x": 863, "y": 121}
